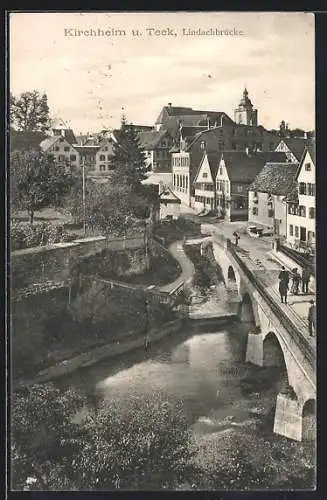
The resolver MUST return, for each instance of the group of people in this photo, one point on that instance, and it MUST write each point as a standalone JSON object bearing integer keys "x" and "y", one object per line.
{"x": 284, "y": 279}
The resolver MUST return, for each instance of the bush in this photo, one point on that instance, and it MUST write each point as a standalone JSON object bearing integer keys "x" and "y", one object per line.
{"x": 27, "y": 236}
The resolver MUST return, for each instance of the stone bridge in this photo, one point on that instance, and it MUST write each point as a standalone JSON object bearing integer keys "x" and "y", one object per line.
{"x": 273, "y": 341}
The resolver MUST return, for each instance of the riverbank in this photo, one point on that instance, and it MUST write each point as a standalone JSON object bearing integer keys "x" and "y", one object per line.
{"x": 115, "y": 349}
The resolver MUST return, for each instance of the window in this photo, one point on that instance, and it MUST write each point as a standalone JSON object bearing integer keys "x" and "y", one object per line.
{"x": 102, "y": 158}
{"x": 311, "y": 189}
{"x": 255, "y": 211}
{"x": 204, "y": 175}
{"x": 302, "y": 211}
{"x": 72, "y": 157}
{"x": 174, "y": 183}
{"x": 102, "y": 168}
{"x": 312, "y": 213}
{"x": 66, "y": 148}
{"x": 111, "y": 167}
{"x": 202, "y": 144}
{"x": 307, "y": 167}
{"x": 270, "y": 212}
{"x": 291, "y": 230}
{"x": 296, "y": 231}
{"x": 186, "y": 183}
{"x": 221, "y": 171}
{"x": 56, "y": 148}
{"x": 239, "y": 188}
{"x": 61, "y": 157}
{"x": 105, "y": 148}
{"x": 302, "y": 188}
{"x": 233, "y": 145}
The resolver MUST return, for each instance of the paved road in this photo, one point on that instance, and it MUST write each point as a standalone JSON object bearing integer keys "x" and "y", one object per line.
{"x": 256, "y": 253}
{"x": 176, "y": 250}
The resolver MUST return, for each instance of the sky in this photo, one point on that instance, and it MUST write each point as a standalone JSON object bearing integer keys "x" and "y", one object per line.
{"x": 92, "y": 79}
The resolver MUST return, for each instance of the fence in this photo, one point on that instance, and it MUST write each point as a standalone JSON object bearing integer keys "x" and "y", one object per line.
{"x": 301, "y": 341}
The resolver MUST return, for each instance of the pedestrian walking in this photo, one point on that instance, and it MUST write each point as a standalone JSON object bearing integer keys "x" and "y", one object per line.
{"x": 283, "y": 284}
{"x": 237, "y": 237}
{"x": 295, "y": 281}
{"x": 305, "y": 280}
{"x": 312, "y": 318}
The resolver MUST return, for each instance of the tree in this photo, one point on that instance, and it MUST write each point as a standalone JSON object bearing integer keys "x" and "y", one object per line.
{"x": 135, "y": 442}
{"x": 129, "y": 158}
{"x": 109, "y": 208}
{"x": 37, "y": 181}
{"x": 30, "y": 112}
{"x": 43, "y": 433}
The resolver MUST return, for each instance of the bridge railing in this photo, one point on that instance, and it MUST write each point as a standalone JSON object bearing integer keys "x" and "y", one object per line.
{"x": 298, "y": 258}
{"x": 301, "y": 341}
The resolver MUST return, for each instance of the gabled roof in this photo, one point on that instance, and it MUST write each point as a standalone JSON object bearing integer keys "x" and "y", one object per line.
{"x": 276, "y": 178}
{"x": 213, "y": 160}
{"x": 243, "y": 167}
{"x": 311, "y": 149}
{"x": 168, "y": 195}
{"x": 49, "y": 142}
{"x": 149, "y": 140}
{"x": 296, "y": 145}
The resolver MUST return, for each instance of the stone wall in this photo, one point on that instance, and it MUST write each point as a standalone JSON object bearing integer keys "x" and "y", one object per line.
{"x": 53, "y": 263}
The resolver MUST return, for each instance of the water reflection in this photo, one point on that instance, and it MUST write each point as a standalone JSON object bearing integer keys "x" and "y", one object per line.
{"x": 206, "y": 371}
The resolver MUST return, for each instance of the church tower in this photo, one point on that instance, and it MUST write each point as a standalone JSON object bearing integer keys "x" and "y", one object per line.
{"x": 245, "y": 114}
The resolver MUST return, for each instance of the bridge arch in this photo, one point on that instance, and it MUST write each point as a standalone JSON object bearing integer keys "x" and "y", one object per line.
{"x": 246, "y": 310}
{"x": 309, "y": 420}
{"x": 274, "y": 361}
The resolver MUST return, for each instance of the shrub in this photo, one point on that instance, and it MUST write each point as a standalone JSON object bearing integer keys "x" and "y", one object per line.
{"x": 27, "y": 236}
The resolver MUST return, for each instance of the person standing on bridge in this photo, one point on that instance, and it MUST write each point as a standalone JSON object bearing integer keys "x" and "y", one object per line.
{"x": 312, "y": 318}
{"x": 295, "y": 281}
{"x": 305, "y": 280}
{"x": 283, "y": 284}
{"x": 236, "y": 236}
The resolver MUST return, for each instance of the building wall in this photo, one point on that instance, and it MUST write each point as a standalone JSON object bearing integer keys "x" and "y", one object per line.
{"x": 169, "y": 209}
{"x": 204, "y": 188}
{"x": 272, "y": 215}
{"x": 305, "y": 200}
{"x": 181, "y": 177}
{"x": 63, "y": 152}
{"x": 103, "y": 158}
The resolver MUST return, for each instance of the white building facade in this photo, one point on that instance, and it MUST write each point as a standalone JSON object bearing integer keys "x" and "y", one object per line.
{"x": 181, "y": 176}
{"x": 301, "y": 214}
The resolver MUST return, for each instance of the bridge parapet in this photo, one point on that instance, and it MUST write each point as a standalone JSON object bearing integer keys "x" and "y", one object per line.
{"x": 271, "y": 320}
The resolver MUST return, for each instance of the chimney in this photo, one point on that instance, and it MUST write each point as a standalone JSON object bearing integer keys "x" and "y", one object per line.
{"x": 169, "y": 104}
{"x": 62, "y": 132}
{"x": 305, "y": 135}
{"x": 208, "y": 123}
{"x": 247, "y": 150}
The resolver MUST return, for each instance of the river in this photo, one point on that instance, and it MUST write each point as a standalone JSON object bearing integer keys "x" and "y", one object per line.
{"x": 207, "y": 371}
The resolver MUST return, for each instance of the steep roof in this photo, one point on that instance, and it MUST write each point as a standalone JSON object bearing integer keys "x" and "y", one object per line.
{"x": 276, "y": 178}
{"x": 168, "y": 195}
{"x": 242, "y": 167}
{"x": 48, "y": 142}
{"x": 213, "y": 160}
{"x": 296, "y": 145}
{"x": 149, "y": 140}
{"x": 69, "y": 136}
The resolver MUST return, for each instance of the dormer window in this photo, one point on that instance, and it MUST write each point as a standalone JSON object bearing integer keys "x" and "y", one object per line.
{"x": 307, "y": 167}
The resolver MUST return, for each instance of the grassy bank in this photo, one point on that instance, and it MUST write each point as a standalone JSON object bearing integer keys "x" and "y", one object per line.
{"x": 46, "y": 331}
